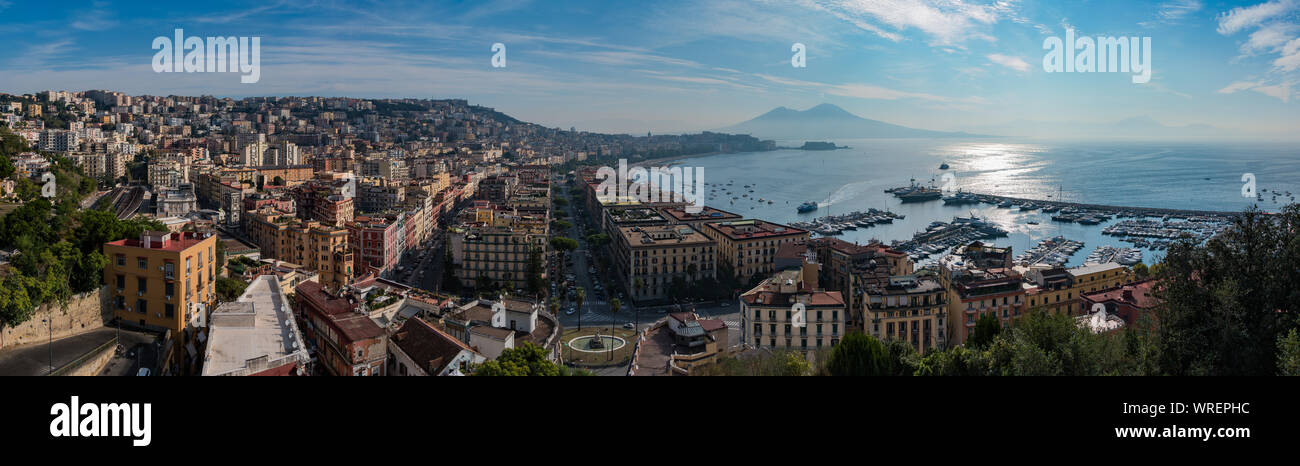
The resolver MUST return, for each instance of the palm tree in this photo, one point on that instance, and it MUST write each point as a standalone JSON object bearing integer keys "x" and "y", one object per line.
{"x": 581, "y": 294}
{"x": 640, "y": 285}
{"x": 555, "y": 305}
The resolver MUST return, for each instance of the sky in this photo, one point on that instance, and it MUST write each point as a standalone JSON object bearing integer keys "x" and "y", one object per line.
{"x": 676, "y": 66}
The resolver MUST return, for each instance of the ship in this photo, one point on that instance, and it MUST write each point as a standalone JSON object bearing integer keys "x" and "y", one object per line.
{"x": 807, "y": 207}
{"x": 921, "y": 194}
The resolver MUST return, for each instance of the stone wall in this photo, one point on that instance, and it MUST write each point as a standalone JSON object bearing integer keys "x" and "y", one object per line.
{"x": 85, "y": 312}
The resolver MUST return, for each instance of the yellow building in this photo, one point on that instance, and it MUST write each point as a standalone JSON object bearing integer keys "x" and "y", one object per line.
{"x": 163, "y": 281}
{"x": 498, "y": 254}
{"x": 1058, "y": 290}
{"x": 749, "y": 246}
{"x": 320, "y": 248}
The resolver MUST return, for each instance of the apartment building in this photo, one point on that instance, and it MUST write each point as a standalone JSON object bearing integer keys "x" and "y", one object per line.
{"x": 347, "y": 341}
{"x": 977, "y": 286}
{"x": 498, "y": 253}
{"x": 768, "y": 312}
{"x": 908, "y": 308}
{"x": 650, "y": 259}
{"x": 749, "y": 247}
{"x": 377, "y": 242}
{"x": 163, "y": 280}
{"x": 321, "y": 248}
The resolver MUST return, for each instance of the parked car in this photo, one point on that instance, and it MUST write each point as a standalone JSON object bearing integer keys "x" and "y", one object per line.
{"x": 143, "y": 372}
{"x": 628, "y": 325}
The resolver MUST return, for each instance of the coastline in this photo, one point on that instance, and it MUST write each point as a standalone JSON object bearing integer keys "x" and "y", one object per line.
{"x": 678, "y": 158}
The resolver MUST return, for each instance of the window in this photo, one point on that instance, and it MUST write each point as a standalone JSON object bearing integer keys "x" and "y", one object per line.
{"x": 142, "y": 263}
{"x": 141, "y": 285}
{"x": 141, "y": 306}
{"x": 121, "y": 260}
{"x": 169, "y": 310}
{"x": 121, "y": 282}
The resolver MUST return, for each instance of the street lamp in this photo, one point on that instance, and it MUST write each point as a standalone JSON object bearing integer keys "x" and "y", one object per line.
{"x": 50, "y": 346}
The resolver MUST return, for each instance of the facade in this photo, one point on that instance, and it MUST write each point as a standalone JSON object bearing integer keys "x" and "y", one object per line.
{"x": 377, "y": 243}
{"x": 163, "y": 281}
{"x": 649, "y": 260}
{"x": 749, "y": 247}
{"x": 767, "y": 312}
{"x": 908, "y": 308}
{"x": 320, "y": 248}
{"x": 498, "y": 253}
{"x": 977, "y": 285}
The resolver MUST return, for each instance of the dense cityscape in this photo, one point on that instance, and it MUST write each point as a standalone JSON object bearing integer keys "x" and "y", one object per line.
{"x": 175, "y": 235}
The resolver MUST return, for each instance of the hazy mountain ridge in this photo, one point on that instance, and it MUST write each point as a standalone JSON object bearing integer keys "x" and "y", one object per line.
{"x": 827, "y": 121}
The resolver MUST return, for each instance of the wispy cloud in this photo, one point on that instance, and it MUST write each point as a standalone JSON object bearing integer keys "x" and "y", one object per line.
{"x": 1278, "y": 91}
{"x": 97, "y": 18}
{"x": 1015, "y": 63}
{"x": 1174, "y": 11}
{"x": 945, "y": 22}
{"x": 1242, "y": 18}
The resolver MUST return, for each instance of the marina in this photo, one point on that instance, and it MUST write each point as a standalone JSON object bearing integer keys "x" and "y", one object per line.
{"x": 1055, "y": 251}
{"x": 943, "y": 236}
{"x": 1124, "y": 256}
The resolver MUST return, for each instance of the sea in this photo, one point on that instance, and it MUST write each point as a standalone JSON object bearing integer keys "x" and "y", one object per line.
{"x": 1197, "y": 176}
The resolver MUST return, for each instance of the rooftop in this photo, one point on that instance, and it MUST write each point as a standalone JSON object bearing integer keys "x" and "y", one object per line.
{"x": 254, "y": 333}
{"x": 662, "y": 235}
{"x": 708, "y": 213}
{"x": 753, "y": 229}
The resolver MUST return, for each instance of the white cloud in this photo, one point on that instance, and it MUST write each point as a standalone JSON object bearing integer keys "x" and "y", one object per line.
{"x": 1015, "y": 63}
{"x": 946, "y": 22}
{"x": 1242, "y": 18}
{"x": 1280, "y": 91}
{"x": 1178, "y": 9}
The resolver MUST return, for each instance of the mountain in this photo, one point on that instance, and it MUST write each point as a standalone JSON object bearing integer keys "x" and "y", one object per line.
{"x": 827, "y": 121}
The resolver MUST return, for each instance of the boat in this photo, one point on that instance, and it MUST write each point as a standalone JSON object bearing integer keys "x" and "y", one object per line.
{"x": 807, "y": 207}
{"x": 943, "y": 166}
{"x": 921, "y": 194}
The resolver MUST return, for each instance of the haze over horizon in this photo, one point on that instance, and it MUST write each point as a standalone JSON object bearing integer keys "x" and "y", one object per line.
{"x": 687, "y": 66}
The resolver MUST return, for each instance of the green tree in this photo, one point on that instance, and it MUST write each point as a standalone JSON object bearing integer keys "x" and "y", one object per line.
{"x": 562, "y": 244}
{"x": 986, "y": 329}
{"x": 534, "y": 271}
{"x": 229, "y": 289}
{"x": 528, "y": 360}
{"x": 1226, "y": 304}
{"x": 861, "y": 354}
{"x": 1288, "y": 354}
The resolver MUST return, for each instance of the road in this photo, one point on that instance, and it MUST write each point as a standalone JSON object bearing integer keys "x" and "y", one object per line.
{"x": 34, "y": 358}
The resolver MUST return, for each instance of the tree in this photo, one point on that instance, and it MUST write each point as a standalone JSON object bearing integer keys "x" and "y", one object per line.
{"x": 615, "y": 305}
{"x": 986, "y": 329}
{"x": 1140, "y": 271}
{"x": 562, "y": 244}
{"x": 861, "y": 354}
{"x": 795, "y": 365}
{"x": 534, "y": 272}
{"x": 528, "y": 360}
{"x": 1288, "y": 354}
{"x": 581, "y": 296}
{"x": 229, "y": 289}
{"x": 1226, "y": 304}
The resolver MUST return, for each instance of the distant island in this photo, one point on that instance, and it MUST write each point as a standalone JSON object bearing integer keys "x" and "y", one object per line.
{"x": 828, "y": 121}
{"x": 819, "y": 145}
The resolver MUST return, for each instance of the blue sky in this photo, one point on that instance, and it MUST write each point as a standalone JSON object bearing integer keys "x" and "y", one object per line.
{"x": 692, "y": 65}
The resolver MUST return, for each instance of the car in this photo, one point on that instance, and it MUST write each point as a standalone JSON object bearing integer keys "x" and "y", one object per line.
{"x": 569, "y": 311}
{"x": 143, "y": 372}
{"x": 726, "y": 304}
{"x": 628, "y": 325}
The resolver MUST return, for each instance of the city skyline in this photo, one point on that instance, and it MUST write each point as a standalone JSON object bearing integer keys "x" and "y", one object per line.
{"x": 692, "y": 66}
